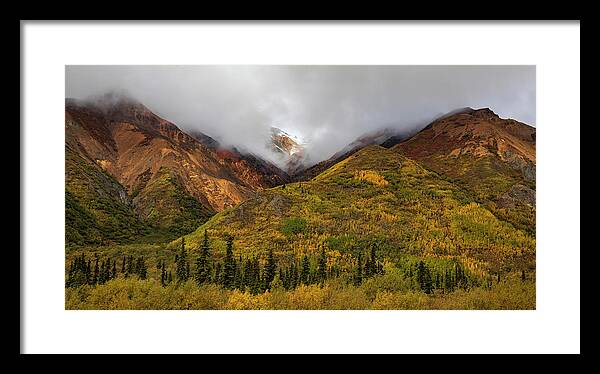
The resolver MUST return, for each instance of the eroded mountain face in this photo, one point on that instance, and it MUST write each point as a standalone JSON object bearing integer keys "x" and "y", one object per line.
{"x": 166, "y": 172}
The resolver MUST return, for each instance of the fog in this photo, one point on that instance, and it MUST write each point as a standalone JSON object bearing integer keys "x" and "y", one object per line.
{"x": 326, "y": 106}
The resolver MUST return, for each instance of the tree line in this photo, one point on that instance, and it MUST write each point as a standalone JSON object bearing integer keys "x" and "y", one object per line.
{"x": 82, "y": 270}
{"x": 248, "y": 274}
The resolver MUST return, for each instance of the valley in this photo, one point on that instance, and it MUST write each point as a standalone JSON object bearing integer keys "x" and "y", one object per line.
{"x": 156, "y": 218}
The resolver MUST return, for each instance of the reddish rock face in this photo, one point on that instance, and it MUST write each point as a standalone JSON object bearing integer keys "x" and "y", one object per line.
{"x": 132, "y": 144}
{"x": 478, "y": 133}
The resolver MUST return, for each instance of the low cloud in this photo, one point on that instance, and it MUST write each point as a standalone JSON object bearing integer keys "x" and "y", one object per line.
{"x": 327, "y": 106}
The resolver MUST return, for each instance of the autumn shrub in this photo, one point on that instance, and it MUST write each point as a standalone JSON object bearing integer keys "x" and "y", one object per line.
{"x": 511, "y": 294}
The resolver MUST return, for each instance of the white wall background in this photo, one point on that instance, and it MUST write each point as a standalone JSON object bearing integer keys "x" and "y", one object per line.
{"x": 553, "y": 327}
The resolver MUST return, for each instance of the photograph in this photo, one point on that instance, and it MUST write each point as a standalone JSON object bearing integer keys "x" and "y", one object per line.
{"x": 300, "y": 187}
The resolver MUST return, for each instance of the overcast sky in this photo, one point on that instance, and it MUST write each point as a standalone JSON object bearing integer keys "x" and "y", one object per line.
{"x": 327, "y": 106}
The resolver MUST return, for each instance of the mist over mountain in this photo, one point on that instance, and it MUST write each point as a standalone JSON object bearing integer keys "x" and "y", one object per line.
{"x": 326, "y": 106}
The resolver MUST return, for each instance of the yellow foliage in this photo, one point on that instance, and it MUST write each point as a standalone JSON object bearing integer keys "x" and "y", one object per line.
{"x": 383, "y": 292}
{"x": 372, "y": 177}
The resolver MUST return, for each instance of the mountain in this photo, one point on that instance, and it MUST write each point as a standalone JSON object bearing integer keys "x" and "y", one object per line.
{"x": 247, "y": 166}
{"x": 385, "y": 137}
{"x": 289, "y": 148}
{"x": 374, "y": 195}
{"x": 491, "y": 156}
{"x": 121, "y": 151}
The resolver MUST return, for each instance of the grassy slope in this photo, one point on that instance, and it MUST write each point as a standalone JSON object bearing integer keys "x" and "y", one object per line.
{"x": 169, "y": 206}
{"x": 374, "y": 195}
{"x": 488, "y": 178}
{"x": 99, "y": 210}
{"x": 96, "y": 206}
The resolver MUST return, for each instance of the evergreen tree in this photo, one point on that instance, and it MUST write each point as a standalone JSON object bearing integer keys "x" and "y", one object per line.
{"x": 256, "y": 284}
{"x": 358, "y": 275}
{"x": 270, "y": 269}
{"x": 182, "y": 266}
{"x": 238, "y": 283}
{"x": 229, "y": 265}
{"x": 78, "y": 273}
{"x": 202, "y": 263}
{"x": 305, "y": 272}
{"x": 142, "y": 270}
{"x": 373, "y": 264}
{"x": 102, "y": 273}
{"x": 247, "y": 274}
{"x": 113, "y": 273}
{"x": 130, "y": 265}
{"x": 424, "y": 277}
{"x": 322, "y": 267}
{"x": 293, "y": 275}
{"x": 96, "y": 272}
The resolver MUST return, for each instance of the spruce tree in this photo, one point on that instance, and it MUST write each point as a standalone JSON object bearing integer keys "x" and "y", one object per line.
{"x": 237, "y": 282}
{"x": 373, "y": 265}
{"x": 270, "y": 269}
{"x": 421, "y": 274}
{"x": 305, "y": 272}
{"x": 96, "y": 272}
{"x": 358, "y": 275}
{"x": 428, "y": 281}
{"x": 202, "y": 263}
{"x": 322, "y": 267}
{"x": 424, "y": 277}
{"x": 229, "y": 265}
{"x": 256, "y": 284}
{"x": 293, "y": 275}
{"x": 182, "y": 266}
{"x": 130, "y": 265}
{"x": 246, "y": 270}
{"x": 142, "y": 269}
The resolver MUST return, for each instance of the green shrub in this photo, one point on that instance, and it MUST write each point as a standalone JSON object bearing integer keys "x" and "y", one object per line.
{"x": 293, "y": 226}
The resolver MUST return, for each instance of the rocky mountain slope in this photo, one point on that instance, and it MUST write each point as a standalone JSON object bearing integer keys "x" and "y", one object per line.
{"x": 493, "y": 157}
{"x": 170, "y": 179}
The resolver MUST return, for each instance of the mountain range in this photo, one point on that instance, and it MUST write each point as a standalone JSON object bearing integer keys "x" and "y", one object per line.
{"x": 131, "y": 174}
